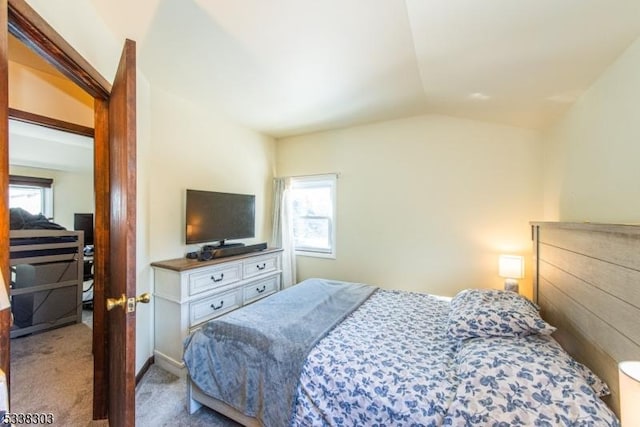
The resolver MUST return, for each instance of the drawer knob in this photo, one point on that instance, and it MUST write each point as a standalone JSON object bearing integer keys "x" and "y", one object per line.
{"x": 258, "y": 290}
{"x": 261, "y": 266}
{"x": 218, "y": 307}
{"x": 217, "y": 280}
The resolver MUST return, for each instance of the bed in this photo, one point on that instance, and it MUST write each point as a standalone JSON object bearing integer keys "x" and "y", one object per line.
{"x": 400, "y": 358}
{"x": 46, "y": 279}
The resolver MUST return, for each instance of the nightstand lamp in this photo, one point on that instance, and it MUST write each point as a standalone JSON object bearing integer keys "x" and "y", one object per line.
{"x": 629, "y": 378}
{"x": 511, "y": 267}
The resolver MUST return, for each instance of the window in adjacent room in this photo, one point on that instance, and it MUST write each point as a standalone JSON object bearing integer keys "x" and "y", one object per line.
{"x": 313, "y": 203}
{"x": 32, "y": 194}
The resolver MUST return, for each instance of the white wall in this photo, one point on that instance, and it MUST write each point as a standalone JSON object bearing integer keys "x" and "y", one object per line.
{"x": 424, "y": 203}
{"x": 48, "y": 95}
{"x": 198, "y": 149}
{"x": 591, "y": 170}
{"x": 72, "y": 192}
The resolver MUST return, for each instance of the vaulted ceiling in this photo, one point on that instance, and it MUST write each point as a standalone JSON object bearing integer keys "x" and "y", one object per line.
{"x": 286, "y": 67}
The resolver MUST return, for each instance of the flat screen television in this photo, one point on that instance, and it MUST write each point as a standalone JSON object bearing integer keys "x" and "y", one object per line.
{"x": 215, "y": 217}
{"x": 84, "y": 222}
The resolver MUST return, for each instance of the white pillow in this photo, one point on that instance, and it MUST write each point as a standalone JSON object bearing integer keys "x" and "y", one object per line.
{"x": 494, "y": 313}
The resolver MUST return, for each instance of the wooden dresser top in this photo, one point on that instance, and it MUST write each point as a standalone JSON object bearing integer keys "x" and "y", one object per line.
{"x": 184, "y": 264}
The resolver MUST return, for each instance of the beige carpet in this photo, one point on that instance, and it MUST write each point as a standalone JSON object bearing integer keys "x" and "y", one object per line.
{"x": 161, "y": 401}
{"x": 52, "y": 372}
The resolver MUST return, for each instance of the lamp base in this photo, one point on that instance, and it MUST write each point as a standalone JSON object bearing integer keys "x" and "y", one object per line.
{"x": 511, "y": 285}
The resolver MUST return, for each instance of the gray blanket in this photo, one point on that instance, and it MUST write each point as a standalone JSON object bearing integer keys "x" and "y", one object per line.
{"x": 252, "y": 358}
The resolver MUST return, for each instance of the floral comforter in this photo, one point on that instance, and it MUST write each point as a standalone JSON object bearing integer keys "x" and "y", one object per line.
{"x": 391, "y": 363}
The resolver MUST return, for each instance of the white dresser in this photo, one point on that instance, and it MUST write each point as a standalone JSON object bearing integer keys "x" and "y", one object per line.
{"x": 189, "y": 292}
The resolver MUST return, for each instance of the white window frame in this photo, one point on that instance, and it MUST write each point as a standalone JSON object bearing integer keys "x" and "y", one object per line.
{"x": 311, "y": 181}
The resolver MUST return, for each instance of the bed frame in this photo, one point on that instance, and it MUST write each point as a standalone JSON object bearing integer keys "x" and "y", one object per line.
{"x": 196, "y": 398}
{"x": 587, "y": 284}
{"x": 44, "y": 248}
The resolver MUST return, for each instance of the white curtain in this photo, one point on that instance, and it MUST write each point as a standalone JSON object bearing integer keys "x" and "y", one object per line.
{"x": 283, "y": 229}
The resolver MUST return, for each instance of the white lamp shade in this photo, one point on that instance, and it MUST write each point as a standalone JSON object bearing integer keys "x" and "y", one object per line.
{"x": 629, "y": 378}
{"x": 511, "y": 266}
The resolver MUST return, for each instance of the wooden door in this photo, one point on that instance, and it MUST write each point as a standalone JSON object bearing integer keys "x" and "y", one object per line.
{"x": 121, "y": 320}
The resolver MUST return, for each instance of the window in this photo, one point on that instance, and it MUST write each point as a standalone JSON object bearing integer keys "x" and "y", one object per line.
{"x": 31, "y": 194}
{"x": 313, "y": 203}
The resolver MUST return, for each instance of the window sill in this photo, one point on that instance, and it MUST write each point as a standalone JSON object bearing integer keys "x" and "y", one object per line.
{"x": 316, "y": 254}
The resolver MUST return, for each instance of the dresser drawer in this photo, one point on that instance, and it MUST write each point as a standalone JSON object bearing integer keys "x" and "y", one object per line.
{"x": 214, "y": 306}
{"x": 261, "y": 288}
{"x": 214, "y": 277}
{"x": 260, "y": 265}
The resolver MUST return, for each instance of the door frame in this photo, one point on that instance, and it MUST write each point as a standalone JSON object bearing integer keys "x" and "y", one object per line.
{"x": 36, "y": 33}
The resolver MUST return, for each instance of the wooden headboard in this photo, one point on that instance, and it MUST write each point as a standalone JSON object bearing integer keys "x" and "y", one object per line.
{"x": 587, "y": 284}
